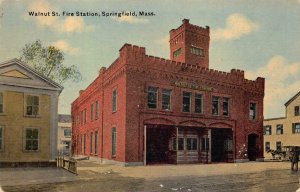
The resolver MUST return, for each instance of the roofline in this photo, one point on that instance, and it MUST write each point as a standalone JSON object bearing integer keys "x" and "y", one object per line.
{"x": 23, "y": 64}
{"x": 275, "y": 118}
{"x": 292, "y": 99}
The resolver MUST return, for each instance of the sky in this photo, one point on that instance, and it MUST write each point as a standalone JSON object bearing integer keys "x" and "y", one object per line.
{"x": 260, "y": 37}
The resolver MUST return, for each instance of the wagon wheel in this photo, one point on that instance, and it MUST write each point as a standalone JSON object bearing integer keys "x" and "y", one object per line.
{"x": 281, "y": 156}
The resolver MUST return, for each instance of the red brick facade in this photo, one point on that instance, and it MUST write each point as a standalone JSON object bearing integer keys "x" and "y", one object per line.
{"x": 137, "y": 124}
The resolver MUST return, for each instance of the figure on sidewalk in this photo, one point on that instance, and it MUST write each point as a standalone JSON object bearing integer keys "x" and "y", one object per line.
{"x": 295, "y": 159}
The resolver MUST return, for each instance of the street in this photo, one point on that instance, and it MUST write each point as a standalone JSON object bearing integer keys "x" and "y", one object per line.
{"x": 94, "y": 177}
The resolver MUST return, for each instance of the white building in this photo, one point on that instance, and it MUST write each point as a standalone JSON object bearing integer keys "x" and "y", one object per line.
{"x": 64, "y": 134}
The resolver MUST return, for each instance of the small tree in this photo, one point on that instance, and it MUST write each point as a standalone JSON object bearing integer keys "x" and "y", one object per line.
{"x": 49, "y": 62}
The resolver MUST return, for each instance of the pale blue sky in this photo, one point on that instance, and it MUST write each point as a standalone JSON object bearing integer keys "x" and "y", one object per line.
{"x": 261, "y": 38}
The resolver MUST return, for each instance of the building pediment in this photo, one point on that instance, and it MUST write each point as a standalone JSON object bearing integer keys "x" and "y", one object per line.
{"x": 16, "y": 73}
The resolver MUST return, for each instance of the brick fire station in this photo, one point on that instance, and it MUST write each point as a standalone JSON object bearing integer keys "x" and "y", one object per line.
{"x": 144, "y": 110}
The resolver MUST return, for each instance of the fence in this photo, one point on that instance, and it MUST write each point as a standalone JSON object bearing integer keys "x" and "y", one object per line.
{"x": 67, "y": 163}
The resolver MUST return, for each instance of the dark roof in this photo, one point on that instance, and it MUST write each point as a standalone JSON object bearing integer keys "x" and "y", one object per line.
{"x": 62, "y": 118}
{"x": 292, "y": 99}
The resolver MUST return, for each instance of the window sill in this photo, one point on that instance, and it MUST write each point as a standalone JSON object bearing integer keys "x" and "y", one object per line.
{"x": 32, "y": 116}
{"x": 31, "y": 151}
{"x": 113, "y": 156}
{"x": 152, "y": 109}
{"x": 2, "y": 114}
{"x": 167, "y": 111}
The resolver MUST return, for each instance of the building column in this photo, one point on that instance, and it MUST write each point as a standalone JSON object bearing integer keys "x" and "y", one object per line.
{"x": 145, "y": 145}
{"x": 53, "y": 126}
{"x": 208, "y": 153}
{"x": 176, "y": 145}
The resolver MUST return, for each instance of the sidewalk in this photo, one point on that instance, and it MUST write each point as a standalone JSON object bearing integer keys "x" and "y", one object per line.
{"x": 27, "y": 176}
{"x": 160, "y": 171}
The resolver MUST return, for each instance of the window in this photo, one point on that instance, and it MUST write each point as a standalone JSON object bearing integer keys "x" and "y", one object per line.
{"x": 205, "y": 144}
{"x": 1, "y": 138}
{"x": 279, "y": 129}
{"x": 180, "y": 143}
{"x": 92, "y": 112}
{"x": 67, "y": 132}
{"x": 267, "y": 146}
{"x": 152, "y": 97}
{"x": 77, "y": 120}
{"x": 192, "y": 144}
{"x": 197, "y": 51}
{"x": 278, "y": 146}
{"x": 97, "y": 110}
{"x": 297, "y": 111}
{"x": 96, "y": 142}
{"x": 228, "y": 145}
{"x": 198, "y": 103}
{"x": 31, "y": 139}
{"x": 114, "y": 101}
{"x": 268, "y": 130}
{"x": 32, "y": 105}
{"x": 91, "y": 143}
{"x": 84, "y": 116}
{"x": 166, "y": 99}
{"x": 215, "y": 105}
{"x": 1, "y": 103}
{"x": 84, "y": 143}
{"x": 66, "y": 146}
{"x": 177, "y": 53}
{"x": 296, "y": 128}
{"x": 186, "y": 103}
{"x": 252, "y": 111}
{"x": 114, "y": 142}
{"x": 225, "y": 106}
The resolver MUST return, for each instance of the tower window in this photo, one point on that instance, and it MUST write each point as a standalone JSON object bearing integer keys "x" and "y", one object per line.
{"x": 252, "y": 111}
{"x": 197, "y": 51}
{"x": 177, "y": 53}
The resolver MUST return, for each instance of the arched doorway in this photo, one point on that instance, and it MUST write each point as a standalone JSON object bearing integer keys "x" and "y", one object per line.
{"x": 252, "y": 146}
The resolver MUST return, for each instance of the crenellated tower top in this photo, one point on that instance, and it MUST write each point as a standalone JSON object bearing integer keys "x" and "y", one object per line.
{"x": 190, "y": 44}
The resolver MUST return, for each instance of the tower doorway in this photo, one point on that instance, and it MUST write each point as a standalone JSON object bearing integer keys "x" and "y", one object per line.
{"x": 252, "y": 146}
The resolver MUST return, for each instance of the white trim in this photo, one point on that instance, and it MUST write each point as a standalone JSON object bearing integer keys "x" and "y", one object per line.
{"x": 15, "y": 61}
{"x": 53, "y": 126}
{"x": 27, "y": 90}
